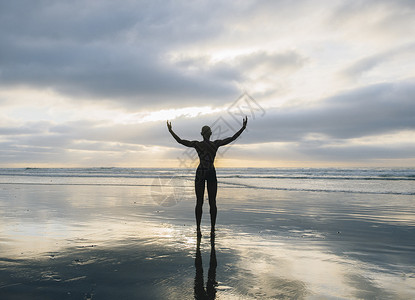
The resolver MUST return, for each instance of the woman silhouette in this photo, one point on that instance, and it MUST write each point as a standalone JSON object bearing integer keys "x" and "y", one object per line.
{"x": 206, "y": 151}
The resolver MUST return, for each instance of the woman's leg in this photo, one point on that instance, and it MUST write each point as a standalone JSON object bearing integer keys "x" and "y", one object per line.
{"x": 212, "y": 187}
{"x": 200, "y": 192}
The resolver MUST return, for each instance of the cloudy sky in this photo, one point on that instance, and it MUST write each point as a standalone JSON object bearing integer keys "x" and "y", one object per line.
{"x": 92, "y": 83}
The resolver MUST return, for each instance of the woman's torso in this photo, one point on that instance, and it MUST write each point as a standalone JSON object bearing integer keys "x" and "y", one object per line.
{"x": 206, "y": 150}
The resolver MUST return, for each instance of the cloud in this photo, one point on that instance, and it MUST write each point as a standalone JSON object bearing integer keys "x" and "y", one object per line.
{"x": 364, "y": 111}
{"x": 93, "y": 71}
{"x": 107, "y": 50}
{"x": 366, "y": 64}
{"x": 272, "y": 61}
{"x": 378, "y": 20}
{"x": 338, "y": 129}
{"x": 77, "y": 76}
{"x": 247, "y": 69}
{"x": 120, "y": 52}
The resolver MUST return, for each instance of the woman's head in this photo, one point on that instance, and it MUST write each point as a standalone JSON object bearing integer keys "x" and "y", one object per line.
{"x": 206, "y": 132}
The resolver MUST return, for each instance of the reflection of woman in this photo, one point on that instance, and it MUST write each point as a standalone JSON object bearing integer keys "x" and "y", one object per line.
{"x": 206, "y": 150}
{"x": 199, "y": 289}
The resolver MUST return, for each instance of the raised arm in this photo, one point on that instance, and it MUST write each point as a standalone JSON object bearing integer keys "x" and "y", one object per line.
{"x": 235, "y": 136}
{"x": 176, "y": 137}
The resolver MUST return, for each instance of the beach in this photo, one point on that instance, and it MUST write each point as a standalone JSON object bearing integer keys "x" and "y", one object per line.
{"x": 127, "y": 236}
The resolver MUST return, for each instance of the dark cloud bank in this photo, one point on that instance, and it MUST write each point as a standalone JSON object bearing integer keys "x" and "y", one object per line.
{"x": 108, "y": 50}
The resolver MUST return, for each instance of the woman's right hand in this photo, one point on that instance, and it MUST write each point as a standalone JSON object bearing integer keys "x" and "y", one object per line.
{"x": 245, "y": 121}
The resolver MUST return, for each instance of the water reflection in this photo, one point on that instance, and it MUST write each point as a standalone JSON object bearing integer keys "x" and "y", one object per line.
{"x": 200, "y": 292}
{"x": 280, "y": 246}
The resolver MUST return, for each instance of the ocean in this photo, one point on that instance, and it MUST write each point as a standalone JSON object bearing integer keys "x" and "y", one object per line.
{"x": 398, "y": 181}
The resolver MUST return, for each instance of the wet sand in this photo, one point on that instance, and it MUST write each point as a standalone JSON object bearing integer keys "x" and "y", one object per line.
{"x": 109, "y": 242}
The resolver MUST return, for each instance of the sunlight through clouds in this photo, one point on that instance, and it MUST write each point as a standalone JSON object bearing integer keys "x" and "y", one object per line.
{"x": 333, "y": 77}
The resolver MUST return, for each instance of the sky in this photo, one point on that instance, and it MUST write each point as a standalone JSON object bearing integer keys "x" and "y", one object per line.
{"x": 92, "y": 83}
